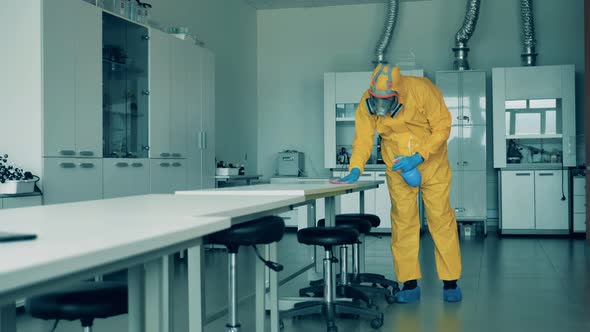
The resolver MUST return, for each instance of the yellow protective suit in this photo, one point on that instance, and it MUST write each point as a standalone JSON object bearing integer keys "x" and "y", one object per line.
{"x": 422, "y": 126}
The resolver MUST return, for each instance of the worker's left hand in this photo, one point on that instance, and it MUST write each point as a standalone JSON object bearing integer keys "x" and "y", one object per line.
{"x": 406, "y": 164}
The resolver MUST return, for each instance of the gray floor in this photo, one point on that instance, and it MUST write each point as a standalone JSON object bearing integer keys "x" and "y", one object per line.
{"x": 509, "y": 284}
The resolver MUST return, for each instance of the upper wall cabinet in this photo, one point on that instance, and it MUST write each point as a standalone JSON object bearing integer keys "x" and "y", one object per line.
{"x": 72, "y": 82}
{"x": 126, "y": 88}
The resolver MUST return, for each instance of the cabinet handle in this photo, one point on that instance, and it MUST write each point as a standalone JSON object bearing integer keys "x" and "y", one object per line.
{"x": 382, "y": 175}
{"x": 177, "y": 155}
{"x": 546, "y": 174}
{"x": 164, "y": 155}
{"x": 67, "y": 152}
{"x": 523, "y": 174}
{"x": 86, "y": 153}
{"x": 137, "y": 165}
{"x": 121, "y": 164}
{"x": 67, "y": 165}
{"x": 165, "y": 164}
{"x": 366, "y": 175}
{"x": 205, "y": 140}
{"x": 145, "y": 92}
{"x": 465, "y": 163}
{"x": 176, "y": 164}
{"x": 86, "y": 165}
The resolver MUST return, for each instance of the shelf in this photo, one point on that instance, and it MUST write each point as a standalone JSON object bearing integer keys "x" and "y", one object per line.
{"x": 344, "y": 119}
{"x": 552, "y": 136}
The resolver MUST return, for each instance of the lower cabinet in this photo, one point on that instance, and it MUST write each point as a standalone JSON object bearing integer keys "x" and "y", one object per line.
{"x": 167, "y": 175}
{"x": 469, "y": 195}
{"x": 126, "y": 177}
{"x": 532, "y": 202}
{"x": 18, "y": 202}
{"x": 72, "y": 180}
{"x": 579, "y": 204}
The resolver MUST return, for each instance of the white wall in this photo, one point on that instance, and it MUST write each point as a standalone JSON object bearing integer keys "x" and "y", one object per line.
{"x": 296, "y": 46}
{"x": 229, "y": 29}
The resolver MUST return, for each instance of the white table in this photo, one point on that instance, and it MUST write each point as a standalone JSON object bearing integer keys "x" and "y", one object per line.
{"x": 309, "y": 192}
{"x": 77, "y": 241}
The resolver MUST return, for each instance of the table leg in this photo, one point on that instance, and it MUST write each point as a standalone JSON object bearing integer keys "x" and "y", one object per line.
{"x": 274, "y": 289}
{"x": 196, "y": 289}
{"x": 8, "y": 318}
{"x": 135, "y": 299}
{"x": 158, "y": 298}
{"x": 362, "y": 238}
{"x": 312, "y": 250}
{"x": 260, "y": 296}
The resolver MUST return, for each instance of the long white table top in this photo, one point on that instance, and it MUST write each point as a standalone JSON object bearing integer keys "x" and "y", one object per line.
{"x": 79, "y": 236}
{"x": 308, "y": 190}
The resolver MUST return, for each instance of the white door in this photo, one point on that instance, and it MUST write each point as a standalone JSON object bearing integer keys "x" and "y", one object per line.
{"x": 454, "y": 148}
{"x": 473, "y": 148}
{"x": 456, "y": 190}
{"x": 208, "y": 155}
{"x": 59, "y": 79}
{"x": 350, "y": 87}
{"x": 448, "y": 84}
{"x": 550, "y": 210}
{"x": 518, "y": 200}
{"x": 71, "y": 180}
{"x": 180, "y": 52}
{"x": 167, "y": 176}
{"x": 159, "y": 113}
{"x": 88, "y": 42}
{"x": 383, "y": 202}
{"x": 473, "y": 89}
{"x": 474, "y": 195}
{"x": 126, "y": 177}
{"x": 194, "y": 114}
{"x": 579, "y": 222}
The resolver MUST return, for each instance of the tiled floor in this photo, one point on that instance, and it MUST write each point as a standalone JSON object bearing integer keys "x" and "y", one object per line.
{"x": 509, "y": 284}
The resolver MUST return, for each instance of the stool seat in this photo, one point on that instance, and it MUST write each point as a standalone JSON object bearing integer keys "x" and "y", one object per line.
{"x": 265, "y": 230}
{"x": 84, "y": 301}
{"x": 373, "y": 219}
{"x": 361, "y": 225}
{"x": 328, "y": 236}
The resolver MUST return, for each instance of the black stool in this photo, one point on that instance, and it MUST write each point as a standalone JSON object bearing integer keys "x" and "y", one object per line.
{"x": 260, "y": 231}
{"x": 85, "y": 301}
{"x": 329, "y": 306}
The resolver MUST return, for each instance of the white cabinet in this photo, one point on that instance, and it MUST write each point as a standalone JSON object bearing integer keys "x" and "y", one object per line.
{"x": 18, "y": 202}
{"x": 534, "y": 108}
{"x": 167, "y": 175}
{"x": 72, "y": 180}
{"x": 518, "y": 200}
{"x": 160, "y": 69}
{"x": 532, "y": 201}
{"x": 464, "y": 93}
{"x": 72, "y": 86}
{"x": 126, "y": 177}
{"x": 579, "y": 204}
{"x": 180, "y": 85}
{"x": 350, "y": 203}
{"x": 208, "y": 124}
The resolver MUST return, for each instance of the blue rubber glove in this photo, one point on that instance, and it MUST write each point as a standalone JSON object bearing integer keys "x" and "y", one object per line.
{"x": 408, "y": 163}
{"x": 353, "y": 177}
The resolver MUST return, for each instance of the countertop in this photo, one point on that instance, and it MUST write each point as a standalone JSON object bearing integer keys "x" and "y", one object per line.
{"x": 35, "y": 193}
{"x": 533, "y": 167}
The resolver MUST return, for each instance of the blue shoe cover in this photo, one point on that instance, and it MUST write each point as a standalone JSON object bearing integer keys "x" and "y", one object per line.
{"x": 408, "y": 296}
{"x": 452, "y": 295}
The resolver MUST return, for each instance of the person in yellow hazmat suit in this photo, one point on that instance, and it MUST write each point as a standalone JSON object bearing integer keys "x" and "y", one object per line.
{"x": 411, "y": 117}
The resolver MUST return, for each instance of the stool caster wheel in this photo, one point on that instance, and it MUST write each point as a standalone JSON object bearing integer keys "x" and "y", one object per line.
{"x": 390, "y": 298}
{"x": 377, "y": 323}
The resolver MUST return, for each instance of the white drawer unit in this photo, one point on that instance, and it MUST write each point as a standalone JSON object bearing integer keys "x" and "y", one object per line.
{"x": 72, "y": 180}
{"x": 350, "y": 203}
{"x": 167, "y": 175}
{"x": 126, "y": 177}
{"x": 579, "y": 204}
{"x": 18, "y": 202}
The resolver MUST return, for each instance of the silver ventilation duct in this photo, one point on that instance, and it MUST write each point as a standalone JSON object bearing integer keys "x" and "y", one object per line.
{"x": 464, "y": 34}
{"x": 529, "y": 55}
{"x": 390, "y": 22}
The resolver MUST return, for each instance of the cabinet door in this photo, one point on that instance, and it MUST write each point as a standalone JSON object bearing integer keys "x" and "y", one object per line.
{"x": 167, "y": 176}
{"x": 208, "y": 155}
{"x": 473, "y": 91}
{"x": 473, "y": 148}
{"x": 194, "y": 114}
{"x": 448, "y": 84}
{"x": 88, "y": 40}
{"x": 518, "y": 200}
{"x": 550, "y": 211}
{"x": 474, "y": 195}
{"x": 579, "y": 186}
{"x": 126, "y": 177}
{"x": 580, "y": 222}
{"x": 179, "y": 91}
{"x": 59, "y": 79}
{"x": 71, "y": 180}
{"x": 350, "y": 87}
{"x": 454, "y": 148}
{"x": 456, "y": 190}
{"x": 383, "y": 202}
{"x": 159, "y": 114}
{"x": 17, "y": 202}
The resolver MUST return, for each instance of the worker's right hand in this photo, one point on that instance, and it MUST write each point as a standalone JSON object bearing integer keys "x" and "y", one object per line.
{"x": 353, "y": 177}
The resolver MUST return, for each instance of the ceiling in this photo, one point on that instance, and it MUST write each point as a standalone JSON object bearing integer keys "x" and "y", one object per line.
{"x": 277, "y": 4}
